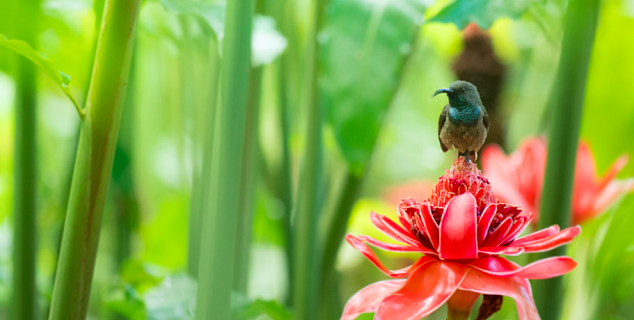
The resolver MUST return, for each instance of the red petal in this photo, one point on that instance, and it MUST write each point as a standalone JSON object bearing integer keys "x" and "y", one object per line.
{"x": 392, "y": 230}
{"x": 485, "y": 222}
{"x": 542, "y": 269}
{"x": 541, "y": 234}
{"x": 550, "y": 242}
{"x": 586, "y": 183}
{"x": 403, "y": 216}
{"x": 509, "y": 251}
{"x": 614, "y": 170}
{"x": 502, "y": 172}
{"x": 358, "y": 242}
{"x": 458, "y": 229}
{"x": 514, "y": 287}
{"x": 368, "y": 298}
{"x": 517, "y": 228}
{"x": 430, "y": 225}
{"x": 499, "y": 234}
{"x": 427, "y": 288}
{"x": 604, "y": 199}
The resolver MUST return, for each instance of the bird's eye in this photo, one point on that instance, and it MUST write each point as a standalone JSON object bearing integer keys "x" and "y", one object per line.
{"x": 463, "y": 89}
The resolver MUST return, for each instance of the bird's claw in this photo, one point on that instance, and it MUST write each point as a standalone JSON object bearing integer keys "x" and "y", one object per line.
{"x": 465, "y": 155}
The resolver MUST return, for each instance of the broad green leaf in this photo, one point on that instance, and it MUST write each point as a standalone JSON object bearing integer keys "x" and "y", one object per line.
{"x": 482, "y": 12}
{"x": 364, "y": 47}
{"x": 45, "y": 64}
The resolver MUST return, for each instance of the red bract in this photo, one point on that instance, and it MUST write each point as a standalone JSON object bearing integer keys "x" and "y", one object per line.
{"x": 461, "y": 231}
{"x": 518, "y": 179}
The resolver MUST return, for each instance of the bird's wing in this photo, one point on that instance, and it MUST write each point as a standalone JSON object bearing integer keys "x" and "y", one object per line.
{"x": 441, "y": 123}
{"x": 485, "y": 118}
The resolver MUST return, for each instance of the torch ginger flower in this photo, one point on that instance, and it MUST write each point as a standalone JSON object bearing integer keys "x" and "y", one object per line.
{"x": 518, "y": 179}
{"x": 461, "y": 231}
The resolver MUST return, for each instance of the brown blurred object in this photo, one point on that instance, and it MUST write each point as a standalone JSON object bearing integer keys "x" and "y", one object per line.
{"x": 478, "y": 64}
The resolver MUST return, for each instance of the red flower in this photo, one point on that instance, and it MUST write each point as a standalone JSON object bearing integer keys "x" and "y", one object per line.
{"x": 518, "y": 179}
{"x": 461, "y": 231}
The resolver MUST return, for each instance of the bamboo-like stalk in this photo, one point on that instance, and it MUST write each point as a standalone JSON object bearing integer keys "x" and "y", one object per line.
{"x": 567, "y": 106}
{"x": 125, "y": 199}
{"x": 94, "y": 160}
{"x": 217, "y": 260}
{"x": 248, "y": 184}
{"x": 202, "y": 179}
{"x": 25, "y": 172}
{"x": 306, "y": 257}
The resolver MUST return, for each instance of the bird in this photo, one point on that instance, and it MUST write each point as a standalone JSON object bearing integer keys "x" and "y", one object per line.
{"x": 463, "y": 122}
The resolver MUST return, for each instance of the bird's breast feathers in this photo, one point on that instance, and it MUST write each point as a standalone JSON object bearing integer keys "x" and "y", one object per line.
{"x": 468, "y": 116}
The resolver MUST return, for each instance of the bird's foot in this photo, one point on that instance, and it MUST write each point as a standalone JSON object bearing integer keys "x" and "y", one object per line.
{"x": 465, "y": 155}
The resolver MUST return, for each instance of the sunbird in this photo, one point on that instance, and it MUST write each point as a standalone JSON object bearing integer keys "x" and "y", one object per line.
{"x": 464, "y": 122}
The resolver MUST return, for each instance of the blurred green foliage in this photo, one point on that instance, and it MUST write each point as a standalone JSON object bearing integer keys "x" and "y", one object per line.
{"x": 380, "y": 123}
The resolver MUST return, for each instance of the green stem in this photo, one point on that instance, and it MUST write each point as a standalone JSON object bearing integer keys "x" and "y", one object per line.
{"x": 283, "y": 178}
{"x": 126, "y": 207}
{"x": 217, "y": 261}
{"x": 25, "y": 170}
{"x": 202, "y": 178}
{"x": 249, "y": 168}
{"x": 581, "y": 20}
{"x": 93, "y": 165}
{"x": 336, "y": 223}
{"x": 306, "y": 257}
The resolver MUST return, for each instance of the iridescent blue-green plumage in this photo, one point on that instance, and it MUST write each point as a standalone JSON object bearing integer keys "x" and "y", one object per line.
{"x": 464, "y": 122}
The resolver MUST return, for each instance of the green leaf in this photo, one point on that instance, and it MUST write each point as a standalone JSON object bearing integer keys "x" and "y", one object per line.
{"x": 126, "y": 301}
{"x": 261, "y": 309}
{"x": 244, "y": 308}
{"x": 482, "y": 12}
{"x": 45, "y": 64}
{"x": 172, "y": 299}
{"x": 364, "y": 47}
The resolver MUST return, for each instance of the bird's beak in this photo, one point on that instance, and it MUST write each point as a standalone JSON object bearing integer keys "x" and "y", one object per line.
{"x": 443, "y": 90}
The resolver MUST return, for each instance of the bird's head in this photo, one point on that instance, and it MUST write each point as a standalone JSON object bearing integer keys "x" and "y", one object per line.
{"x": 460, "y": 93}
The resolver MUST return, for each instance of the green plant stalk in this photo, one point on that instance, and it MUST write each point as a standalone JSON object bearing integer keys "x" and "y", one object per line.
{"x": 24, "y": 303}
{"x": 284, "y": 75}
{"x": 336, "y": 224}
{"x": 94, "y": 160}
{"x": 249, "y": 182}
{"x": 567, "y": 102}
{"x": 284, "y": 174}
{"x": 202, "y": 179}
{"x": 217, "y": 260}
{"x": 306, "y": 257}
{"x": 126, "y": 207}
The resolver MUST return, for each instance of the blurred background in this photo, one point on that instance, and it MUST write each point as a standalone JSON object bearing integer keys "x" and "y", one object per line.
{"x": 378, "y": 62}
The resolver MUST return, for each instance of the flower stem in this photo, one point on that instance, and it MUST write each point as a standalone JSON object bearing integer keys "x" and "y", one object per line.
{"x": 460, "y": 304}
{"x": 25, "y": 179}
{"x": 579, "y": 32}
{"x": 93, "y": 165}
{"x": 220, "y": 223}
